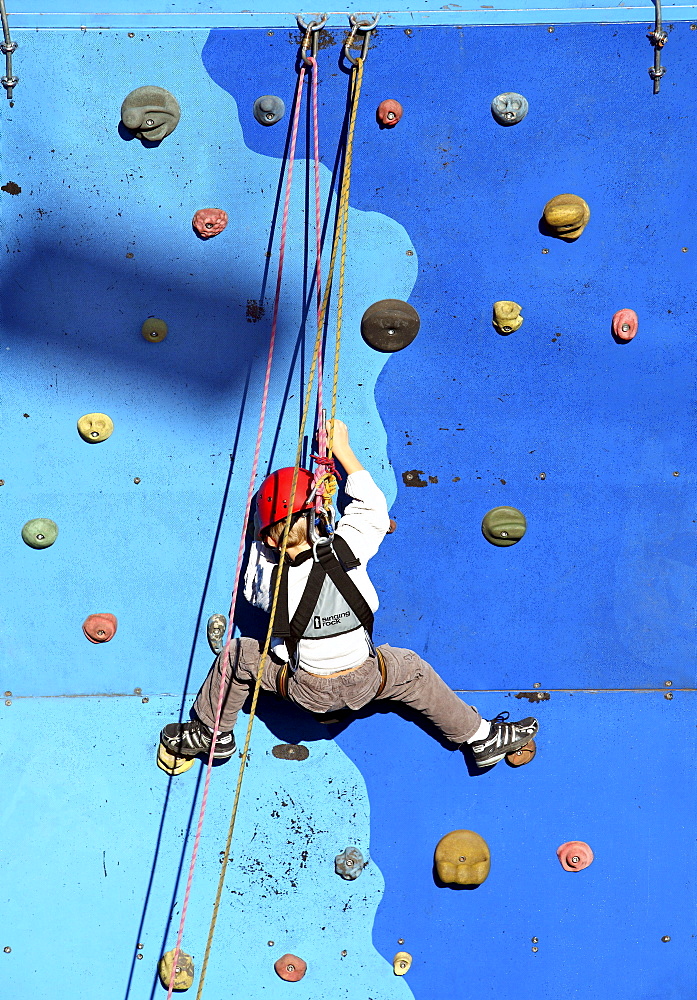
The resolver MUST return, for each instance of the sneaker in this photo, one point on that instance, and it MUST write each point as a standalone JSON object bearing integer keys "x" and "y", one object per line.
{"x": 504, "y": 738}
{"x": 215, "y": 630}
{"x": 189, "y": 739}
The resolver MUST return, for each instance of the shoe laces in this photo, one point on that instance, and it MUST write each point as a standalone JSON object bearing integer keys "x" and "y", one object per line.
{"x": 501, "y": 718}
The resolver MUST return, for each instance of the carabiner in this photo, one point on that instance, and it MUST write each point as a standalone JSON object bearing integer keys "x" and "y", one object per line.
{"x": 366, "y": 27}
{"x": 312, "y": 31}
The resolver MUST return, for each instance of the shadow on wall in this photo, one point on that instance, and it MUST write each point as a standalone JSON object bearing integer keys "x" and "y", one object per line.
{"x": 92, "y": 310}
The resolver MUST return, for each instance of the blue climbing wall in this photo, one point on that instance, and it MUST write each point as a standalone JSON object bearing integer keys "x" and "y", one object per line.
{"x": 590, "y": 438}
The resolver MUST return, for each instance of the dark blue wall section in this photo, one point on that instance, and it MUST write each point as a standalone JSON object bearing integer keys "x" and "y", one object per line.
{"x": 599, "y": 591}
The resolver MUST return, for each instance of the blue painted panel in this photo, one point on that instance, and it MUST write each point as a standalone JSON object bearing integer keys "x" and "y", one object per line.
{"x": 613, "y": 770}
{"x": 93, "y": 844}
{"x": 90, "y": 834}
{"x": 598, "y": 593}
{"x": 122, "y": 14}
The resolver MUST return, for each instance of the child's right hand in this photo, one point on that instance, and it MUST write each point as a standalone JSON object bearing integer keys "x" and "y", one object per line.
{"x": 341, "y": 434}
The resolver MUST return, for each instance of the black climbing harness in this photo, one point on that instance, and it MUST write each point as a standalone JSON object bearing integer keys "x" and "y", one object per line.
{"x": 331, "y": 604}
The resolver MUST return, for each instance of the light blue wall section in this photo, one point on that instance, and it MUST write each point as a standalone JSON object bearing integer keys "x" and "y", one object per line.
{"x": 94, "y": 837}
{"x": 204, "y": 14}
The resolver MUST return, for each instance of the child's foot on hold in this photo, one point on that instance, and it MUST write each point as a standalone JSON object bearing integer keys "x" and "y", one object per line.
{"x": 189, "y": 739}
{"x": 504, "y": 738}
{"x": 216, "y": 629}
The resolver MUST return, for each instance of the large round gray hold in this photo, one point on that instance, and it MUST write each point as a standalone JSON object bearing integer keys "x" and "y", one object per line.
{"x": 390, "y": 325}
{"x": 151, "y": 113}
{"x": 269, "y": 109}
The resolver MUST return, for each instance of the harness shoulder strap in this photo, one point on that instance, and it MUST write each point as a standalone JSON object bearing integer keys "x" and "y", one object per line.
{"x": 345, "y": 585}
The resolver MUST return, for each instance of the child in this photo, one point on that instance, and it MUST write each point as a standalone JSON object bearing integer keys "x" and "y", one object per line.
{"x": 322, "y": 656}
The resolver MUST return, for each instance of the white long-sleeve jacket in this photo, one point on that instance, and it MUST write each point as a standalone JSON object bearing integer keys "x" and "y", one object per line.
{"x": 363, "y": 526}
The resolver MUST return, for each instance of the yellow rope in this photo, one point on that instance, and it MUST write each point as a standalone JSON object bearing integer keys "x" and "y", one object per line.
{"x": 340, "y": 233}
{"x": 343, "y": 223}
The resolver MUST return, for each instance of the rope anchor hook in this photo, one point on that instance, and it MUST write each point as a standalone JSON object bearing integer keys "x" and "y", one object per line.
{"x": 365, "y": 27}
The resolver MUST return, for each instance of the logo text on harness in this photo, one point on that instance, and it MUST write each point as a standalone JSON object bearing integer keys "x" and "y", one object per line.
{"x": 330, "y": 620}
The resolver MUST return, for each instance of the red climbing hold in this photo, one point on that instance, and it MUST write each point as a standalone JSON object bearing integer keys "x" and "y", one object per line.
{"x": 575, "y": 855}
{"x": 291, "y": 968}
{"x": 625, "y": 324}
{"x": 389, "y": 113}
{"x": 100, "y": 627}
{"x": 209, "y": 222}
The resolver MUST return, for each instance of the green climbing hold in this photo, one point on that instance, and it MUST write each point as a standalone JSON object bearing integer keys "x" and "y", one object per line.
{"x": 504, "y": 526}
{"x": 154, "y": 330}
{"x": 40, "y": 533}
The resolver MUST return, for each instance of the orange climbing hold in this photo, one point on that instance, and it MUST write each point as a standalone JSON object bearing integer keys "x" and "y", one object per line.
{"x": 291, "y": 968}
{"x": 575, "y": 855}
{"x": 100, "y": 627}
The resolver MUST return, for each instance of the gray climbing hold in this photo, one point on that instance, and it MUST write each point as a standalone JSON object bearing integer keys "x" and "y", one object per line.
{"x": 269, "y": 109}
{"x": 509, "y": 109}
{"x": 151, "y": 113}
{"x": 350, "y": 863}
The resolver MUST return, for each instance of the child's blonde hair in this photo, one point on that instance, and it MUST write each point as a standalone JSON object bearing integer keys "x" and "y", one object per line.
{"x": 297, "y": 533}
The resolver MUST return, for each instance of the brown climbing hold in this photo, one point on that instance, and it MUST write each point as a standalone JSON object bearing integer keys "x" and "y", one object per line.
{"x": 171, "y": 764}
{"x": 183, "y": 971}
{"x": 462, "y": 858}
{"x": 393, "y": 526}
{"x": 100, "y": 627}
{"x": 523, "y": 755}
{"x": 389, "y": 325}
{"x": 290, "y": 751}
{"x": 566, "y": 216}
{"x": 291, "y": 968}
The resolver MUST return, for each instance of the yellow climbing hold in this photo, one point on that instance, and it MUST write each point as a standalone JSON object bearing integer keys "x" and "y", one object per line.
{"x": 462, "y": 858}
{"x": 567, "y": 216}
{"x": 184, "y": 974}
{"x": 172, "y": 765}
{"x": 401, "y": 963}
{"x": 507, "y": 316}
{"x": 95, "y": 427}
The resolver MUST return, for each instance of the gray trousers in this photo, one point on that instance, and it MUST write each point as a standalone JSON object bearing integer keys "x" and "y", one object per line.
{"x": 410, "y": 681}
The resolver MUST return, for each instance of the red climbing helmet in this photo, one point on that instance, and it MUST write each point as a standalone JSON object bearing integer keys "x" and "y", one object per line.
{"x": 273, "y": 498}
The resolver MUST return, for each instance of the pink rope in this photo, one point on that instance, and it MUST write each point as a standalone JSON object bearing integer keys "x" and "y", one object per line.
{"x": 321, "y": 432}
{"x": 248, "y": 507}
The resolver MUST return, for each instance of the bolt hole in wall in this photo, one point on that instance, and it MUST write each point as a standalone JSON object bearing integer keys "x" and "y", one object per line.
{"x": 595, "y": 418}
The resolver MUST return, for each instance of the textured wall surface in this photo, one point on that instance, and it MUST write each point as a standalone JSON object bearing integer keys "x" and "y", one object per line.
{"x": 591, "y": 439}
